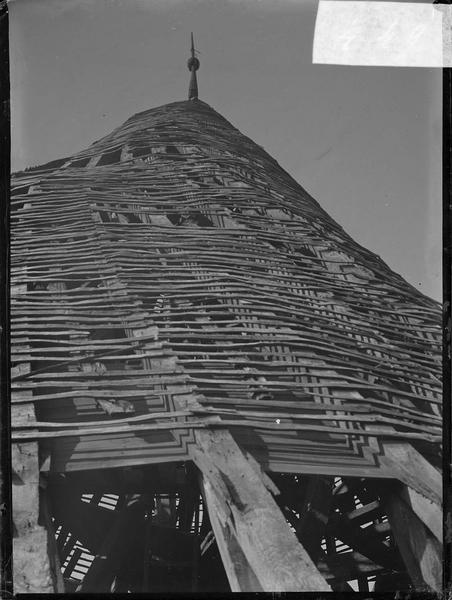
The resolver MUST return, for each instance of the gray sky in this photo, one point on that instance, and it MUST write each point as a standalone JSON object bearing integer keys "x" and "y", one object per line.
{"x": 364, "y": 141}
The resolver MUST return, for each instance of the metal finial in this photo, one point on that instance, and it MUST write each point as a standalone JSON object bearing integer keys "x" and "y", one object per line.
{"x": 193, "y": 66}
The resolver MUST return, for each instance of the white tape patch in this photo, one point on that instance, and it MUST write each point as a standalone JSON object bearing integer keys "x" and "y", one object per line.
{"x": 393, "y": 34}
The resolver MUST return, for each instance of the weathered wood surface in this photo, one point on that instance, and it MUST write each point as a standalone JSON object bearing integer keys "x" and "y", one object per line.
{"x": 32, "y": 572}
{"x": 420, "y": 550}
{"x": 259, "y": 550}
{"x": 246, "y": 515}
{"x": 423, "y": 490}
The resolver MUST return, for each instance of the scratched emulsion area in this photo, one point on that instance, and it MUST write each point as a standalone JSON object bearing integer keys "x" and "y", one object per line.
{"x": 392, "y": 34}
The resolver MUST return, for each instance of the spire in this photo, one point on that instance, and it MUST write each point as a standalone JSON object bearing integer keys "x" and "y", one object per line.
{"x": 193, "y": 66}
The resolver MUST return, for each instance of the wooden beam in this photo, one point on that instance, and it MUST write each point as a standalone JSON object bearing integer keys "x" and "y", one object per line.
{"x": 429, "y": 511}
{"x": 54, "y": 556}
{"x": 424, "y": 483}
{"x": 420, "y": 550}
{"x": 314, "y": 513}
{"x": 85, "y": 521}
{"x": 364, "y": 540}
{"x": 119, "y": 542}
{"x": 410, "y": 467}
{"x": 240, "y": 574}
{"x": 239, "y": 502}
{"x": 347, "y": 566}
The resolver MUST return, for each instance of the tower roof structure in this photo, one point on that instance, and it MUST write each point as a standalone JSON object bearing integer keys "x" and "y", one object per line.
{"x": 193, "y": 66}
{"x": 173, "y": 278}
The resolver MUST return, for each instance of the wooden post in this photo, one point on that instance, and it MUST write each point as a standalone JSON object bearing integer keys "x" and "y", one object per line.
{"x": 420, "y": 550}
{"x": 239, "y": 502}
{"x": 32, "y": 572}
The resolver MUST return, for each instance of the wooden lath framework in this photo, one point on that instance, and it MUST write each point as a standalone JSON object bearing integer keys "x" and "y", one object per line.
{"x": 172, "y": 283}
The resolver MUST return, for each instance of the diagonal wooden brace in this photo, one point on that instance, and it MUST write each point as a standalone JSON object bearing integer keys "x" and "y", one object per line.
{"x": 246, "y": 518}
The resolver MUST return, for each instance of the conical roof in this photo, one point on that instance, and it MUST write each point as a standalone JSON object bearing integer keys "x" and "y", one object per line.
{"x": 175, "y": 254}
